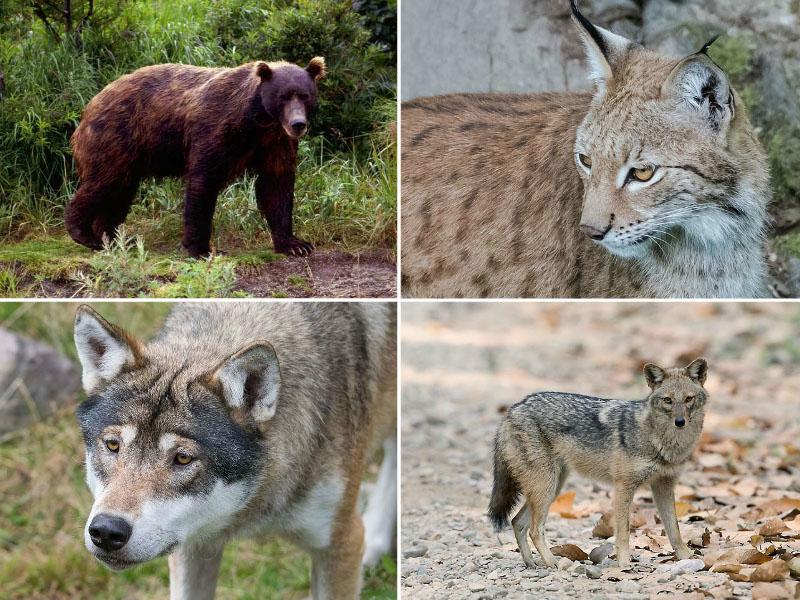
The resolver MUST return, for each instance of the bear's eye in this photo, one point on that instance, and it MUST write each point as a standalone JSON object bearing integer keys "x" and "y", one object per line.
{"x": 586, "y": 161}
{"x": 643, "y": 174}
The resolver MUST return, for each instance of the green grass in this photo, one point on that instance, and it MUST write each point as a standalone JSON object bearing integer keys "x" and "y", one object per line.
{"x": 44, "y": 501}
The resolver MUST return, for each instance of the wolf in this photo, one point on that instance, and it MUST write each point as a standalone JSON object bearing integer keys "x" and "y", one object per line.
{"x": 652, "y": 185}
{"x": 240, "y": 419}
{"x": 625, "y": 443}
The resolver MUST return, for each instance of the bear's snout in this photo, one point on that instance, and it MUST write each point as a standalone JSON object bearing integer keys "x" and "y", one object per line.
{"x": 298, "y": 127}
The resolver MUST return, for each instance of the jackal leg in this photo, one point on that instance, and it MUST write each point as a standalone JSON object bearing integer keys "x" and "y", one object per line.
{"x": 521, "y": 524}
{"x": 623, "y": 496}
{"x": 664, "y": 497}
{"x": 193, "y": 572}
{"x": 336, "y": 570}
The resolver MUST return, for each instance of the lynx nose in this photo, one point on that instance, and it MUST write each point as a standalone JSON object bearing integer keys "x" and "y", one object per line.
{"x": 594, "y": 232}
{"x": 680, "y": 422}
{"x": 298, "y": 127}
{"x": 109, "y": 533}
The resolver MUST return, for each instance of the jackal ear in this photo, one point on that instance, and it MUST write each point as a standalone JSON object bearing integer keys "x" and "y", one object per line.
{"x": 697, "y": 370}
{"x": 103, "y": 349}
{"x": 603, "y": 48}
{"x": 654, "y": 375}
{"x": 698, "y": 85}
{"x": 251, "y": 379}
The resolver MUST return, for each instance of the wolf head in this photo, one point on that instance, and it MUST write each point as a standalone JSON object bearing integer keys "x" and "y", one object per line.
{"x": 665, "y": 151}
{"x": 677, "y": 395}
{"x": 171, "y": 452}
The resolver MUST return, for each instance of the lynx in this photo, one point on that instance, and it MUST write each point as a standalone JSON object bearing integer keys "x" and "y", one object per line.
{"x": 669, "y": 198}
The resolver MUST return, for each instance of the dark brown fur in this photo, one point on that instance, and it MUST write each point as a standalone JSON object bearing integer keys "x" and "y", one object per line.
{"x": 208, "y": 125}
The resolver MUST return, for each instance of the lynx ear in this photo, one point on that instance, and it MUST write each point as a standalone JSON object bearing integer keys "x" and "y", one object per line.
{"x": 251, "y": 380}
{"x": 603, "y": 48}
{"x": 316, "y": 68}
{"x": 654, "y": 375}
{"x": 263, "y": 70}
{"x": 700, "y": 86}
{"x": 697, "y": 370}
{"x": 104, "y": 350}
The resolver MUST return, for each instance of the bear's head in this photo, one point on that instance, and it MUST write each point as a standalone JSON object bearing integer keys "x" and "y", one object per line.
{"x": 289, "y": 93}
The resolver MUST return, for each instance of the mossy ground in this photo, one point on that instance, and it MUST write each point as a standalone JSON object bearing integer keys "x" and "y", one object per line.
{"x": 44, "y": 501}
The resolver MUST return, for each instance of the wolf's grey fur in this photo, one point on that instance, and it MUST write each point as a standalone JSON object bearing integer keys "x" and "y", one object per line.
{"x": 277, "y": 405}
{"x": 625, "y": 443}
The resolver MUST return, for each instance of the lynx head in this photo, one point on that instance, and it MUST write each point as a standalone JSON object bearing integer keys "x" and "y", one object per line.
{"x": 665, "y": 151}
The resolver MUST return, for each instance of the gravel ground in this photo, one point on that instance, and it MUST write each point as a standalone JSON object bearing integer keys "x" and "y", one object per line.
{"x": 464, "y": 363}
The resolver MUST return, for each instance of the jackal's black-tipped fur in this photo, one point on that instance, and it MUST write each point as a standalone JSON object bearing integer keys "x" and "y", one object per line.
{"x": 505, "y": 492}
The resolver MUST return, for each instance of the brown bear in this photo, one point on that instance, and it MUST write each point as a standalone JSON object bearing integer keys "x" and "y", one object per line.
{"x": 208, "y": 125}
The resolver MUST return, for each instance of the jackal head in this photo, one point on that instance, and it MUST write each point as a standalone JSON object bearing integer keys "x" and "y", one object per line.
{"x": 171, "y": 453}
{"x": 677, "y": 394}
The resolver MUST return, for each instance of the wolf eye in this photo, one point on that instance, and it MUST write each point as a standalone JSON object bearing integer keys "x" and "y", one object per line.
{"x": 667, "y": 400}
{"x": 183, "y": 459}
{"x": 644, "y": 174}
{"x": 112, "y": 445}
{"x": 586, "y": 161}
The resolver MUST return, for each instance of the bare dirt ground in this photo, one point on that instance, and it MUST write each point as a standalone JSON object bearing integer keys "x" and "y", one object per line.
{"x": 369, "y": 274}
{"x": 739, "y": 500}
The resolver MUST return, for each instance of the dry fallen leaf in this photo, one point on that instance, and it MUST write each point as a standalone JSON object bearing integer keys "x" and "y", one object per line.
{"x": 774, "y": 570}
{"x": 683, "y": 508}
{"x": 563, "y": 505}
{"x": 772, "y": 528}
{"x": 571, "y": 551}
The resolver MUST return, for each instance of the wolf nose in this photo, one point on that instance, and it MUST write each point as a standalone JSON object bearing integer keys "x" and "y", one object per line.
{"x": 109, "y": 533}
{"x": 594, "y": 232}
{"x": 680, "y": 422}
{"x": 298, "y": 127}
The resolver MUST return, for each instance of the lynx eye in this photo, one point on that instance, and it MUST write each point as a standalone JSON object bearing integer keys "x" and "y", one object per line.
{"x": 644, "y": 174}
{"x": 112, "y": 445}
{"x": 586, "y": 161}
{"x": 183, "y": 459}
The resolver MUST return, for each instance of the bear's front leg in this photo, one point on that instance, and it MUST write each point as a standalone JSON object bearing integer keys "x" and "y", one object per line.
{"x": 275, "y": 198}
{"x": 198, "y": 214}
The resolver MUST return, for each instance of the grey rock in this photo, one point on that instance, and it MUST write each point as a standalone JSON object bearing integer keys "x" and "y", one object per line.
{"x": 415, "y": 552}
{"x": 597, "y": 555}
{"x": 593, "y": 572}
{"x": 687, "y": 565}
{"x": 35, "y": 380}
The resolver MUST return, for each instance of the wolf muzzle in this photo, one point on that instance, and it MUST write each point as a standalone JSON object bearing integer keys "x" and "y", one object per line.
{"x": 109, "y": 533}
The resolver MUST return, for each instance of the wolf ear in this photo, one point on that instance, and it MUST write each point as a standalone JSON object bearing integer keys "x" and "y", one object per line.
{"x": 316, "y": 68}
{"x": 697, "y": 84}
{"x": 603, "y": 48}
{"x": 654, "y": 375}
{"x": 697, "y": 370}
{"x": 251, "y": 379}
{"x": 103, "y": 349}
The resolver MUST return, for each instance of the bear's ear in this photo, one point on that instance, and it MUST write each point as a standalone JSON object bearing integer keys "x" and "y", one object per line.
{"x": 263, "y": 70}
{"x": 316, "y": 68}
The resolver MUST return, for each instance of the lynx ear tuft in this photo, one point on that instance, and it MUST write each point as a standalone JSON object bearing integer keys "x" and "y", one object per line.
{"x": 104, "y": 350}
{"x": 263, "y": 70}
{"x": 654, "y": 375}
{"x": 701, "y": 86}
{"x": 316, "y": 68}
{"x": 603, "y": 48}
{"x": 251, "y": 380}
{"x": 697, "y": 370}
